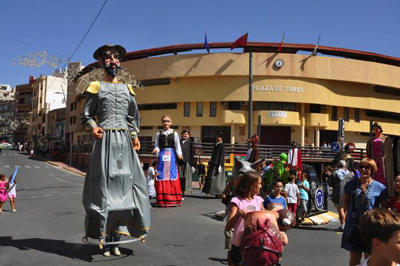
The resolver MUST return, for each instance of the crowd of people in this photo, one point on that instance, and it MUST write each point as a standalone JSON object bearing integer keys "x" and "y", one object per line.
{"x": 361, "y": 193}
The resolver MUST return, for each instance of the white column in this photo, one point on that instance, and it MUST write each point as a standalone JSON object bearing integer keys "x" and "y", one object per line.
{"x": 232, "y": 133}
{"x": 302, "y": 124}
{"x": 317, "y": 137}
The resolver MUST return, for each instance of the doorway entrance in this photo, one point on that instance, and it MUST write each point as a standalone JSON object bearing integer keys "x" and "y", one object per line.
{"x": 271, "y": 135}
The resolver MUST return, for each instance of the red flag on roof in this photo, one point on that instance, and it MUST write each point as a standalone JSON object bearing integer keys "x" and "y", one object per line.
{"x": 280, "y": 45}
{"x": 242, "y": 41}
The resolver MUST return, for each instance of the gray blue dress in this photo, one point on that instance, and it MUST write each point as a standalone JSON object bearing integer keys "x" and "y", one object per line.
{"x": 375, "y": 193}
{"x": 115, "y": 193}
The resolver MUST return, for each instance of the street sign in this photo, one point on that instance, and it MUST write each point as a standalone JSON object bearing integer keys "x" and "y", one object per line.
{"x": 350, "y": 146}
{"x": 319, "y": 199}
{"x": 335, "y": 146}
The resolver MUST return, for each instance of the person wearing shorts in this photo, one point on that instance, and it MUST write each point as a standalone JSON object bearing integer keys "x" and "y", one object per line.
{"x": 304, "y": 187}
{"x": 293, "y": 194}
{"x": 12, "y": 195}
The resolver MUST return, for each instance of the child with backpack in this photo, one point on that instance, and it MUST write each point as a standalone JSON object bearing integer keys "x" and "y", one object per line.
{"x": 247, "y": 200}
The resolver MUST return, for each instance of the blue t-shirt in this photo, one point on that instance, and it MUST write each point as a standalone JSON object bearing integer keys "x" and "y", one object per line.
{"x": 303, "y": 192}
{"x": 271, "y": 202}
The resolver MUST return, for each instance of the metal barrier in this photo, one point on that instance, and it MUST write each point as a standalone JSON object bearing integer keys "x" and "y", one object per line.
{"x": 269, "y": 152}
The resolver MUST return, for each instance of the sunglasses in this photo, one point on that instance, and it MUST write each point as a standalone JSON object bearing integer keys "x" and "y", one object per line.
{"x": 366, "y": 167}
{"x": 108, "y": 55}
{"x": 166, "y": 121}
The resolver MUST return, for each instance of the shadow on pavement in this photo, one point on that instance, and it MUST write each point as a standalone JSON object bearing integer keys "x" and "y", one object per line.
{"x": 213, "y": 216}
{"x": 34, "y": 158}
{"x": 222, "y": 261}
{"x": 74, "y": 251}
{"x": 200, "y": 196}
{"x": 314, "y": 228}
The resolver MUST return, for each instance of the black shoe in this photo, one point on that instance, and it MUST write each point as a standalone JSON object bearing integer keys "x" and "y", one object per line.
{"x": 339, "y": 229}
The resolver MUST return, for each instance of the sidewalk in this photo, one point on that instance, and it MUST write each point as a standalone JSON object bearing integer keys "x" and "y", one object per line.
{"x": 59, "y": 164}
{"x": 66, "y": 167}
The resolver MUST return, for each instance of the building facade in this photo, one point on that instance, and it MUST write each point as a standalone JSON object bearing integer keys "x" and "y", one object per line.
{"x": 7, "y": 99}
{"x": 295, "y": 96}
{"x": 56, "y": 131}
{"x": 23, "y": 109}
{"x": 48, "y": 95}
{"x": 75, "y": 133}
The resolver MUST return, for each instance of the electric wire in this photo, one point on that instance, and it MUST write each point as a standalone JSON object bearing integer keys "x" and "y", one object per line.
{"x": 68, "y": 60}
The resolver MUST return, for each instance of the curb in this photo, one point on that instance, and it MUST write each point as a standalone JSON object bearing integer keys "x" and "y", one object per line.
{"x": 68, "y": 169}
{"x": 323, "y": 218}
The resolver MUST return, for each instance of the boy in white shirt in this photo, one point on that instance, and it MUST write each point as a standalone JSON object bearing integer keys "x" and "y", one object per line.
{"x": 151, "y": 175}
{"x": 292, "y": 194}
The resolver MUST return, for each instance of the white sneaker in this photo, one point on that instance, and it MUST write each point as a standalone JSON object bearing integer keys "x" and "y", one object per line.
{"x": 116, "y": 252}
{"x": 107, "y": 253}
{"x": 14, "y": 210}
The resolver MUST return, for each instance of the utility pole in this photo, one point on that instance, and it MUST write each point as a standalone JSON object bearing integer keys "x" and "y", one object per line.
{"x": 341, "y": 135}
{"x": 250, "y": 119}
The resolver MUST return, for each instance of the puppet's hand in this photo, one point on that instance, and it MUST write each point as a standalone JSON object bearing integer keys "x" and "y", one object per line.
{"x": 136, "y": 144}
{"x": 97, "y": 133}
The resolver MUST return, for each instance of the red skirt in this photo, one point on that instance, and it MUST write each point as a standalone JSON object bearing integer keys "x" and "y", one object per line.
{"x": 167, "y": 184}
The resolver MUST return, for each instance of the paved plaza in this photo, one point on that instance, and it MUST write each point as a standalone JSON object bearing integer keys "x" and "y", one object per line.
{"x": 48, "y": 227}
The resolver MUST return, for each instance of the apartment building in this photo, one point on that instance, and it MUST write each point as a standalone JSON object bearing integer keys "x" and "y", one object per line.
{"x": 49, "y": 93}
{"x": 22, "y": 109}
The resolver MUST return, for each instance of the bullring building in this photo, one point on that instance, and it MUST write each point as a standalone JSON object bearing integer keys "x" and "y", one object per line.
{"x": 298, "y": 97}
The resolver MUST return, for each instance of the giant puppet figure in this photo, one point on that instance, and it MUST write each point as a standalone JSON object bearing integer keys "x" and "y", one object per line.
{"x": 380, "y": 149}
{"x": 115, "y": 193}
{"x": 294, "y": 157}
{"x": 186, "y": 166}
{"x": 253, "y": 153}
{"x": 215, "y": 181}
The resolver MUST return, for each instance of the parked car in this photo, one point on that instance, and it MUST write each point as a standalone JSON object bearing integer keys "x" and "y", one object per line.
{"x": 314, "y": 185}
{"x": 7, "y": 146}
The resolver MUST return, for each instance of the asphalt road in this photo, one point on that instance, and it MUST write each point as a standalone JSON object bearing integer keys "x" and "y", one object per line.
{"x": 48, "y": 227}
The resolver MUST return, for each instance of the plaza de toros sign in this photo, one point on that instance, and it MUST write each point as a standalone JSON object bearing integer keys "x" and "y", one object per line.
{"x": 268, "y": 88}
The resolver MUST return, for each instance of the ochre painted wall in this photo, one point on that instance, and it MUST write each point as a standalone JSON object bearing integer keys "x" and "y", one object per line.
{"x": 219, "y": 77}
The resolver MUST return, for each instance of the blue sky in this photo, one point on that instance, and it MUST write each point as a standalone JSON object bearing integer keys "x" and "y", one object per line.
{"x": 58, "y": 26}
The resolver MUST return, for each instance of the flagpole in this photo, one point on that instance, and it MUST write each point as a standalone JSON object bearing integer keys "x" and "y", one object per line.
{"x": 250, "y": 93}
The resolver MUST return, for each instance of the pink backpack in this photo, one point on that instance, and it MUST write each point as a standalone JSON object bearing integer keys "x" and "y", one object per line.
{"x": 260, "y": 244}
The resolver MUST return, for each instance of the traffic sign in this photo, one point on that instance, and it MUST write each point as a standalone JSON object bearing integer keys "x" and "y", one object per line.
{"x": 319, "y": 199}
{"x": 350, "y": 146}
{"x": 335, "y": 147}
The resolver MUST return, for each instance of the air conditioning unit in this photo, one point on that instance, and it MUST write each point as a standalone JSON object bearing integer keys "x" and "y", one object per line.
{"x": 243, "y": 103}
{"x": 324, "y": 107}
{"x": 224, "y": 104}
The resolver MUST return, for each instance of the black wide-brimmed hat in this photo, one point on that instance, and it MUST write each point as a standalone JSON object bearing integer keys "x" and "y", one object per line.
{"x": 119, "y": 48}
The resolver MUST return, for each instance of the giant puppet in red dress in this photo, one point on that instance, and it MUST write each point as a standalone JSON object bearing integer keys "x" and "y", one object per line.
{"x": 294, "y": 157}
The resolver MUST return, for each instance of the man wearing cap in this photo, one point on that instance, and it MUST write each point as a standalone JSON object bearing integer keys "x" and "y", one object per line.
{"x": 215, "y": 182}
{"x": 115, "y": 192}
{"x": 186, "y": 166}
